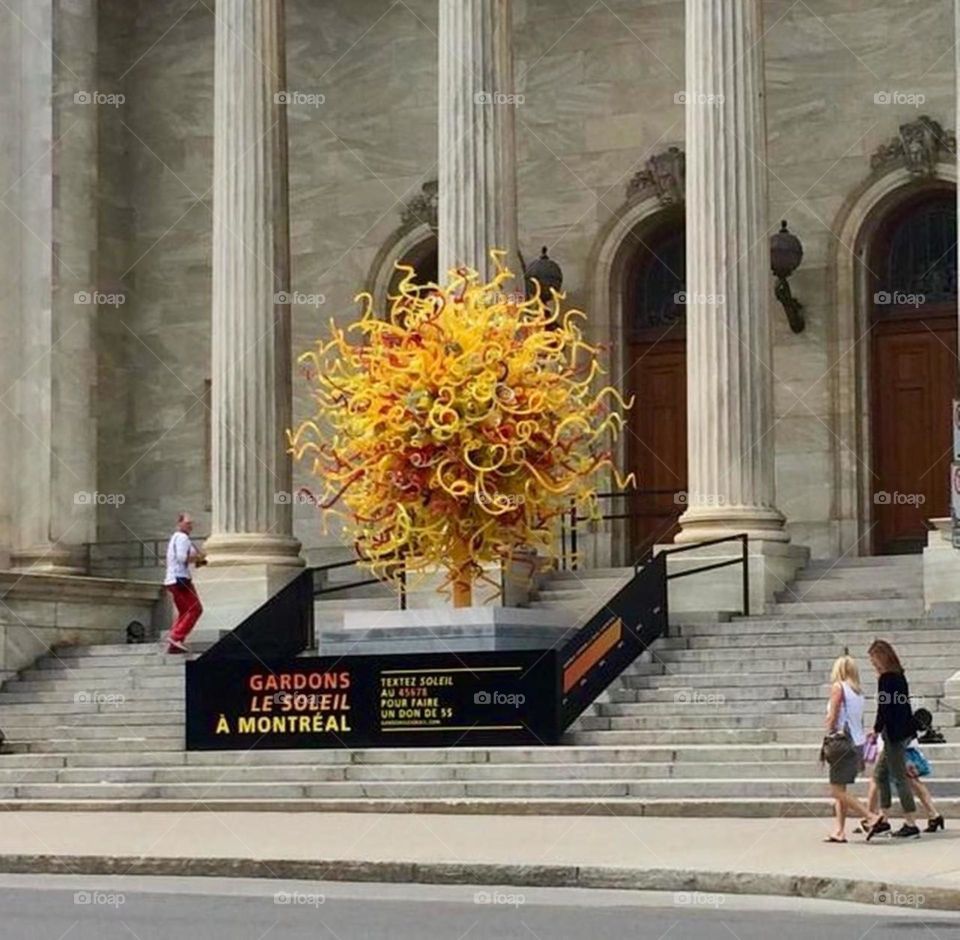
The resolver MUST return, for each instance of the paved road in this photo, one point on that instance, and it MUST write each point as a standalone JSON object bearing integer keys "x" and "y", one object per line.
{"x": 72, "y": 908}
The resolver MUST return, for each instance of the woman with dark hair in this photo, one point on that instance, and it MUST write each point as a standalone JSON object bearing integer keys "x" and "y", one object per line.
{"x": 896, "y": 726}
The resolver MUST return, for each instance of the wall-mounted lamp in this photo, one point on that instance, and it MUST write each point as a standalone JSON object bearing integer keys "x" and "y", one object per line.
{"x": 546, "y": 272}
{"x": 786, "y": 253}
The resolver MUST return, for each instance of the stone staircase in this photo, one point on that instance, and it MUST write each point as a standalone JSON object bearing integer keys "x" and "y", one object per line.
{"x": 716, "y": 719}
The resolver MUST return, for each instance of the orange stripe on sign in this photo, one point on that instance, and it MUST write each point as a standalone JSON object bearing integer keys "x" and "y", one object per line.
{"x": 598, "y": 647}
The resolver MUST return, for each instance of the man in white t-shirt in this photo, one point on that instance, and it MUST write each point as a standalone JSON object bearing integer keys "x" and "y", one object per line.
{"x": 181, "y": 553}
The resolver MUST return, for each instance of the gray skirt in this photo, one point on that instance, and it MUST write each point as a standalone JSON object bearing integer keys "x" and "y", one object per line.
{"x": 844, "y": 770}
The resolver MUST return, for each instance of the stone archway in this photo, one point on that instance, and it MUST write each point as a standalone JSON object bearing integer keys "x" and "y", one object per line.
{"x": 653, "y": 202}
{"x": 855, "y": 231}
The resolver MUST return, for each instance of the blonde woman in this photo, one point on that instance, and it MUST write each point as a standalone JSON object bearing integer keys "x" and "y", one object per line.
{"x": 843, "y": 742}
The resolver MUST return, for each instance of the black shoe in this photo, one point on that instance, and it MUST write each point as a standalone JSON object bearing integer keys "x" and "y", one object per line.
{"x": 881, "y": 825}
{"x": 934, "y": 824}
{"x": 906, "y": 831}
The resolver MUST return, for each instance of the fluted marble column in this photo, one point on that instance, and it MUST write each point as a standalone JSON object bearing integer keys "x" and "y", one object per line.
{"x": 477, "y": 146}
{"x": 729, "y": 380}
{"x": 251, "y": 384}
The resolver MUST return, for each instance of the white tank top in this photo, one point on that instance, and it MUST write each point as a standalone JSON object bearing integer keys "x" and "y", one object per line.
{"x": 850, "y": 714}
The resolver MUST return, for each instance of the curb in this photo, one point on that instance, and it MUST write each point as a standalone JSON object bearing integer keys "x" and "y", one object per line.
{"x": 681, "y": 881}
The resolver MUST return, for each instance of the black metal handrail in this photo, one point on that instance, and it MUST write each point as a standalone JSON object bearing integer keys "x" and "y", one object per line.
{"x": 743, "y": 560}
{"x": 570, "y": 521}
{"x": 149, "y": 553}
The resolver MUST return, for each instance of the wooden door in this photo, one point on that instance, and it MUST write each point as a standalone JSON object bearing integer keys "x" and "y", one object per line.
{"x": 914, "y": 377}
{"x": 658, "y": 441}
{"x": 913, "y": 366}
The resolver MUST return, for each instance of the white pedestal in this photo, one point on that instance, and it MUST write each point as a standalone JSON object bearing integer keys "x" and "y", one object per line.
{"x": 941, "y": 567}
{"x": 432, "y": 630}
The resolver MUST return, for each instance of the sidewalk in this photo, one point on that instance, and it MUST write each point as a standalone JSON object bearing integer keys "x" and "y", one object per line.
{"x": 742, "y": 856}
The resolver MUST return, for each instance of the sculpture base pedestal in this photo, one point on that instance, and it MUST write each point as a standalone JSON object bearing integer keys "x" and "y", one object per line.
{"x": 443, "y": 631}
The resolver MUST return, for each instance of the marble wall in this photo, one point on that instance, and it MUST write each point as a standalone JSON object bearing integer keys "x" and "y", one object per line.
{"x": 600, "y": 85}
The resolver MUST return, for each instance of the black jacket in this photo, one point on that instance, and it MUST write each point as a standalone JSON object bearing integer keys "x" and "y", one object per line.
{"x": 894, "y": 714}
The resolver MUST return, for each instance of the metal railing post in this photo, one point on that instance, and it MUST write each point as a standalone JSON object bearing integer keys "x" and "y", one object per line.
{"x": 574, "y": 564}
{"x": 746, "y": 574}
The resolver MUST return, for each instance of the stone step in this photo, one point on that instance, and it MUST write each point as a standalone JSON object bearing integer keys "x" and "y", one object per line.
{"x": 49, "y": 670}
{"x": 773, "y": 626}
{"x": 926, "y": 642}
{"x": 755, "y": 807}
{"x": 819, "y": 591}
{"x": 762, "y": 687}
{"x": 922, "y": 681}
{"x": 592, "y": 574}
{"x": 764, "y": 661}
{"x": 903, "y": 562}
{"x": 805, "y": 752}
{"x": 673, "y": 788}
{"x": 650, "y": 716}
{"x": 108, "y": 697}
{"x": 78, "y": 683}
{"x": 149, "y": 704}
{"x": 412, "y": 773}
{"x": 117, "y": 746}
{"x": 839, "y": 608}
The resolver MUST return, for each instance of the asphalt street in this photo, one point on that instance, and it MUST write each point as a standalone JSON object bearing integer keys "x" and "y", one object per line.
{"x": 44, "y": 907}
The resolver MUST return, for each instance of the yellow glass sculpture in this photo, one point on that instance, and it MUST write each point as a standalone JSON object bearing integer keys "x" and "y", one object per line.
{"x": 458, "y": 429}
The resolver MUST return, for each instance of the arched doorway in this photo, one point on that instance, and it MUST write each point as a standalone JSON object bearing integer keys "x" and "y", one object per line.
{"x": 913, "y": 377}
{"x": 656, "y": 374}
{"x": 422, "y": 257}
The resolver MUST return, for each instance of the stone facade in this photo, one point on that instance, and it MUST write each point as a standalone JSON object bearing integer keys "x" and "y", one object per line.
{"x": 602, "y": 92}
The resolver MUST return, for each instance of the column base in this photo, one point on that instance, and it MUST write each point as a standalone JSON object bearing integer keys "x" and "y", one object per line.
{"x": 46, "y": 559}
{"x": 771, "y": 567}
{"x": 702, "y": 523}
{"x": 252, "y": 548}
{"x": 230, "y": 593}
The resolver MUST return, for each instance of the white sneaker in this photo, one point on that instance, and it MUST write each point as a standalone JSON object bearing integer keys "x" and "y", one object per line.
{"x": 176, "y": 646}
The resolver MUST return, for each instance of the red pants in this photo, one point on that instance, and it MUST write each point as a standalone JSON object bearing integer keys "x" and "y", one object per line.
{"x": 189, "y": 609}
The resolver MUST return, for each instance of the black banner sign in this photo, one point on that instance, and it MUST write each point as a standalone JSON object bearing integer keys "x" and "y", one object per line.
{"x": 430, "y": 700}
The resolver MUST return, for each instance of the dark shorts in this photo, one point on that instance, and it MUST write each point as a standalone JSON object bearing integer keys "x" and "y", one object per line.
{"x": 845, "y": 769}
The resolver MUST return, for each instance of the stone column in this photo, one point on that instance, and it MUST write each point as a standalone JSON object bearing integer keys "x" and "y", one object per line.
{"x": 251, "y": 374}
{"x": 49, "y": 242}
{"x": 477, "y": 146}
{"x": 729, "y": 357}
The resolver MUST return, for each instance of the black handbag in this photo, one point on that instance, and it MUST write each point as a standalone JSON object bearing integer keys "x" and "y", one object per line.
{"x": 837, "y": 744}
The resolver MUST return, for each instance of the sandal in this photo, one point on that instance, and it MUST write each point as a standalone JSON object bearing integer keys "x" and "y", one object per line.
{"x": 835, "y": 840}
